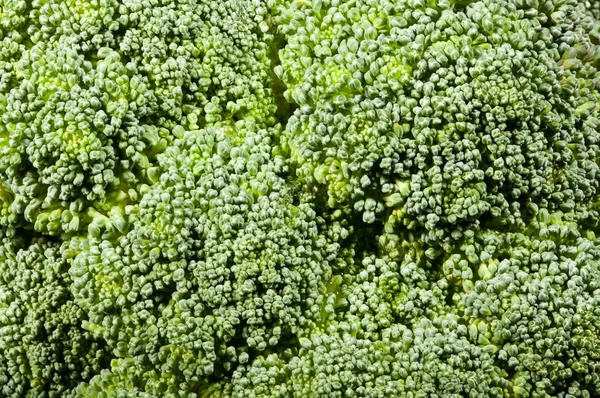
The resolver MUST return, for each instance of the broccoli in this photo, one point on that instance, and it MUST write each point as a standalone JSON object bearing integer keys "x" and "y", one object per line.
{"x": 44, "y": 349}
{"x": 217, "y": 261}
{"x": 299, "y": 198}
{"x": 449, "y": 117}
{"x": 97, "y": 89}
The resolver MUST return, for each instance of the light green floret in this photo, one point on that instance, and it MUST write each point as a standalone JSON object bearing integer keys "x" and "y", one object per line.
{"x": 90, "y": 91}
{"x": 438, "y": 117}
{"x": 216, "y": 264}
{"x": 74, "y": 140}
{"x": 90, "y": 24}
{"x": 44, "y": 352}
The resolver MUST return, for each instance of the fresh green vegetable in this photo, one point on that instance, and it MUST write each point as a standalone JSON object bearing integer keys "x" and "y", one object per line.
{"x": 299, "y": 198}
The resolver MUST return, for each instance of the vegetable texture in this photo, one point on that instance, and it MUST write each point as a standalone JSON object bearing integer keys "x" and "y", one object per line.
{"x": 296, "y": 198}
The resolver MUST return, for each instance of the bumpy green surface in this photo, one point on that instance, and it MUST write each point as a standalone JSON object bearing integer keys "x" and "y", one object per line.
{"x": 276, "y": 198}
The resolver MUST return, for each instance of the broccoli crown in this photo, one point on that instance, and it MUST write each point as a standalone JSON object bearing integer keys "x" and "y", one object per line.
{"x": 299, "y": 198}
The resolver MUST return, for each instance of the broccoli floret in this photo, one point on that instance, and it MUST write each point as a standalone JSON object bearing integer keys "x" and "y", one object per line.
{"x": 534, "y": 301}
{"x": 216, "y": 262}
{"x": 203, "y": 59}
{"x": 508, "y": 314}
{"x": 74, "y": 137}
{"x": 44, "y": 350}
{"x": 442, "y": 117}
{"x": 90, "y": 92}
